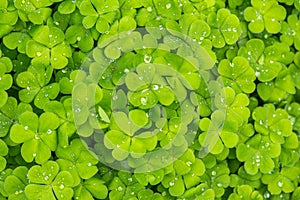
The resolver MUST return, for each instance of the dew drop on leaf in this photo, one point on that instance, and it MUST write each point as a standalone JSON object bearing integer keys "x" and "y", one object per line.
{"x": 189, "y": 163}
{"x": 147, "y": 58}
{"x": 267, "y": 195}
{"x": 149, "y": 9}
{"x": 219, "y": 185}
{"x": 155, "y": 87}
{"x": 280, "y": 184}
{"x": 143, "y": 101}
{"x": 120, "y": 188}
{"x": 168, "y": 6}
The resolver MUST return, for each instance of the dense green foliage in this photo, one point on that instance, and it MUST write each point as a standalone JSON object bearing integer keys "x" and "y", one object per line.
{"x": 149, "y": 99}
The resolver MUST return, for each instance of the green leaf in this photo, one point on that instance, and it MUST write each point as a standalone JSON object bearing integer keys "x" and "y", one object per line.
{"x": 96, "y": 187}
{"x": 138, "y": 117}
{"x": 66, "y": 7}
{"x": 33, "y": 191}
{"x": 44, "y": 174}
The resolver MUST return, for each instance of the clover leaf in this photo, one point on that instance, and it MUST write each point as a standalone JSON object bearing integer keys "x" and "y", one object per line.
{"x": 35, "y": 83}
{"x": 86, "y": 96}
{"x": 8, "y": 17}
{"x": 290, "y": 31}
{"x": 281, "y": 180}
{"x": 33, "y": 11}
{"x": 5, "y": 78}
{"x": 273, "y": 123}
{"x": 47, "y": 181}
{"x": 226, "y": 126}
{"x": 64, "y": 111}
{"x": 174, "y": 183}
{"x": 48, "y": 46}
{"x": 217, "y": 178}
{"x": 37, "y": 134}
{"x": 16, "y": 40}
{"x": 10, "y": 113}
{"x": 67, "y": 7}
{"x": 3, "y": 152}
{"x": 226, "y": 28}
{"x": 90, "y": 189}
{"x": 244, "y": 178}
{"x": 238, "y": 74}
{"x": 289, "y": 156}
{"x": 245, "y": 192}
{"x": 203, "y": 191}
{"x": 78, "y": 36}
{"x": 3, "y": 175}
{"x": 281, "y": 87}
{"x": 77, "y": 160}
{"x": 266, "y": 61}
{"x": 100, "y": 14}
{"x": 257, "y": 154}
{"x": 294, "y": 70}
{"x": 168, "y": 9}
{"x": 265, "y": 15}
{"x": 16, "y": 182}
{"x": 294, "y": 112}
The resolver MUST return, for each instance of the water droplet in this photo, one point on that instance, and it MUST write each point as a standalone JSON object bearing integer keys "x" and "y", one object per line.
{"x": 279, "y": 132}
{"x": 89, "y": 164}
{"x": 120, "y": 188}
{"x": 26, "y": 128}
{"x": 189, "y": 163}
{"x": 280, "y": 184}
{"x": 213, "y": 173}
{"x": 147, "y": 58}
{"x": 168, "y": 6}
{"x": 132, "y": 193}
{"x": 155, "y": 87}
{"x": 219, "y": 185}
{"x": 78, "y": 110}
{"x": 267, "y": 195}
{"x": 171, "y": 183}
{"x": 38, "y": 54}
{"x": 149, "y": 9}
{"x": 143, "y": 101}
{"x": 78, "y": 38}
{"x": 61, "y": 186}
{"x": 130, "y": 179}
{"x": 49, "y": 131}
{"x": 34, "y": 154}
